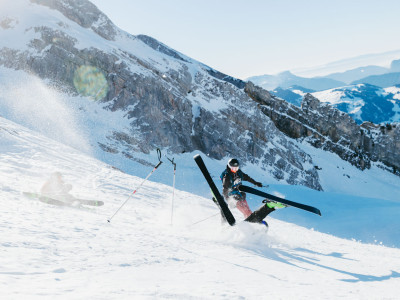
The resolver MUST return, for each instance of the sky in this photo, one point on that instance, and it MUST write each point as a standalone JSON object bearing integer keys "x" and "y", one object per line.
{"x": 256, "y": 37}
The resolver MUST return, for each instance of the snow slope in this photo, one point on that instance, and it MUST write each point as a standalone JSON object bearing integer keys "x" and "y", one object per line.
{"x": 53, "y": 252}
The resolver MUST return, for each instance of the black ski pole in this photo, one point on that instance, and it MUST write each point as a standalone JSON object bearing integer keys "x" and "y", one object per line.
{"x": 173, "y": 187}
{"x": 155, "y": 168}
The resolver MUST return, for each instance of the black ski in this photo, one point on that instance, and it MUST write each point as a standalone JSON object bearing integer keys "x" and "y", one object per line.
{"x": 253, "y": 191}
{"x": 225, "y": 212}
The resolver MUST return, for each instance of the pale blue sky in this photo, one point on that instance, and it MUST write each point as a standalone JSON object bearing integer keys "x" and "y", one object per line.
{"x": 254, "y": 37}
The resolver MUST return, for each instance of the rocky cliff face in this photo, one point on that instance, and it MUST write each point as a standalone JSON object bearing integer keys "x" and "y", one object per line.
{"x": 383, "y": 144}
{"x": 330, "y": 129}
{"x": 170, "y": 100}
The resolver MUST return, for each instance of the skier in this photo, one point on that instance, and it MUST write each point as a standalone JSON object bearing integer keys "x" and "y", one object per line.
{"x": 56, "y": 188}
{"x": 232, "y": 178}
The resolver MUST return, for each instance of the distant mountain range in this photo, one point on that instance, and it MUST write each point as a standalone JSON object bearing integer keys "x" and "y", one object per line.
{"x": 384, "y": 80}
{"x": 287, "y": 79}
{"x": 369, "y": 93}
{"x": 377, "y": 59}
{"x": 357, "y": 74}
{"x": 375, "y": 75}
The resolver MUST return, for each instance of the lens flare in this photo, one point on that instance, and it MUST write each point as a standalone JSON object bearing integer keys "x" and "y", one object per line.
{"x": 90, "y": 81}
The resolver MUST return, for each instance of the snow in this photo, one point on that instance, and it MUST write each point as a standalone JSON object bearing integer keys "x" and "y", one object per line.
{"x": 146, "y": 252}
{"x": 299, "y": 92}
{"x": 339, "y": 96}
{"x": 50, "y": 251}
{"x": 393, "y": 90}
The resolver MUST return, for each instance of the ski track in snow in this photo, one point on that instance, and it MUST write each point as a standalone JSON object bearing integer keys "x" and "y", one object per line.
{"x": 62, "y": 252}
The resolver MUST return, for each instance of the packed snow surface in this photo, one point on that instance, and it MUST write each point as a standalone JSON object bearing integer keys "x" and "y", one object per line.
{"x": 154, "y": 248}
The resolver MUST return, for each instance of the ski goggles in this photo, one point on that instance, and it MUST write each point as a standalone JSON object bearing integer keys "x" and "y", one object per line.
{"x": 234, "y": 169}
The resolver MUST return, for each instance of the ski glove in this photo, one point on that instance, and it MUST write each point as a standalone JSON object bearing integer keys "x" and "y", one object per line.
{"x": 259, "y": 184}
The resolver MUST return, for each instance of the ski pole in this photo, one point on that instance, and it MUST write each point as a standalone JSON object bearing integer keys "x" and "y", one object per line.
{"x": 173, "y": 187}
{"x": 155, "y": 168}
{"x": 202, "y": 220}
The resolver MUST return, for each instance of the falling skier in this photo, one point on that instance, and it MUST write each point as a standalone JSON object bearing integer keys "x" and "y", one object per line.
{"x": 56, "y": 188}
{"x": 232, "y": 178}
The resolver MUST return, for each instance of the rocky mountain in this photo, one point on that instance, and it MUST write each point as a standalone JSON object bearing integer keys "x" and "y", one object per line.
{"x": 293, "y": 94}
{"x": 167, "y": 99}
{"x": 134, "y": 94}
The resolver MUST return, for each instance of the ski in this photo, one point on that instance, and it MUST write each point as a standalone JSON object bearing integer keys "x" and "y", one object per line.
{"x": 59, "y": 202}
{"x": 253, "y": 191}
{"x": 52, "y": 201}
{"x": 90, "y": 202}
{"x": 225, "y": 211}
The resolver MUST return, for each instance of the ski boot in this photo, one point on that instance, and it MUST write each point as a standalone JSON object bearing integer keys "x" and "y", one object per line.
{"x": 273, "y": 204}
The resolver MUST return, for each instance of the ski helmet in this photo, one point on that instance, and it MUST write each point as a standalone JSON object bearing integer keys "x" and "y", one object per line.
{"x": 233, "y": 164}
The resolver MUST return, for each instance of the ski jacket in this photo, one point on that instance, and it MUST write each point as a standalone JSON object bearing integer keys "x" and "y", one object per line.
{"x": 231, "y": 182}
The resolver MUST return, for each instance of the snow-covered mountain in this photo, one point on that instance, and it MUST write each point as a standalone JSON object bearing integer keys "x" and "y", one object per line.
{"x": 131, "y": 95}
{"x": 365, "y": 102}
{"x": 73, "y": 252}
